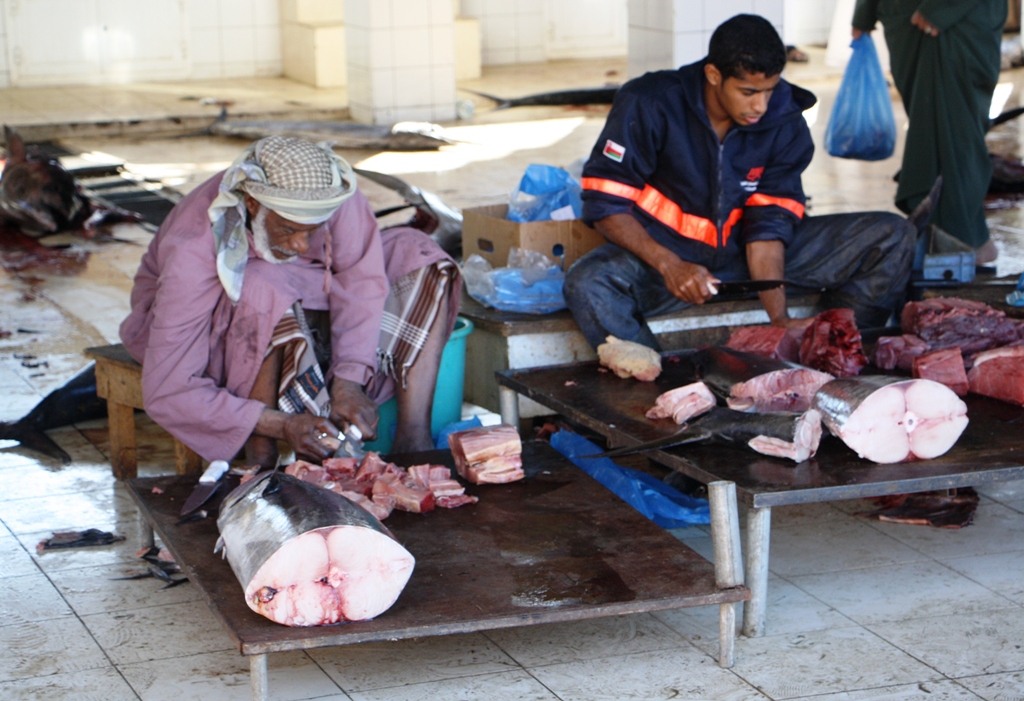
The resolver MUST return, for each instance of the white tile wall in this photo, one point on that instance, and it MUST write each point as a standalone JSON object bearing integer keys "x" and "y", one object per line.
{"x": 268, "y": 48}
{"x": 442, "y": 44}
{"x": 204, "y": 46}
{"x": 236, "y": 13}
{"x": 717, "y": 11}
{"x": 5, "y": 76}
{"x": 203, "y": 14}
{"x": 266, "y": 13}
{"x": 807, "y": 21}
{"x": 238, "y": 45}
{"x": 409, "y": 13}
{"x": 692, "y": 23}
{"x": 234, "y": 38}
{"x": 401, "y": 59}
{"x": 238, "y": 38}
{"x": 511, "y": 31}
{"x": 688, "y": 47}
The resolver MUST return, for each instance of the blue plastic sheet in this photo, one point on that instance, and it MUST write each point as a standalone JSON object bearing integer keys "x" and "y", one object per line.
{"x": 544, "y": 190}
{"x": 667, "y": 507}
{"x": 862, "y": 125}
{"x": 441, "y": 442}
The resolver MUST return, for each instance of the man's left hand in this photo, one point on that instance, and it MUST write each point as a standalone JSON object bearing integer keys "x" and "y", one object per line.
{"x": 350, "y": 405}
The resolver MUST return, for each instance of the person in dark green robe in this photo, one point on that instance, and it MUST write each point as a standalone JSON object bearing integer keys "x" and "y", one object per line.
{"x": 944, "y": 56}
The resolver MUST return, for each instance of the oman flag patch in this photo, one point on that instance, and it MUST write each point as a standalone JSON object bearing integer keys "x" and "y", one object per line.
{"x": 614, "y": 151}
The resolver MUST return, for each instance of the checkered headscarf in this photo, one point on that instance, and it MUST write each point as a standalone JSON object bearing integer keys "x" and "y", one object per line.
{"x": 301, "y": 181}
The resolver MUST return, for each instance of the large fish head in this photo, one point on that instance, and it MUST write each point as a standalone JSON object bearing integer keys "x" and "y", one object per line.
{"x": 37, "y": 192}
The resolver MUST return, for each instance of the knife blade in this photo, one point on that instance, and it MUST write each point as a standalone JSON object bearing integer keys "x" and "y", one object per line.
{"x": 351, "y": 444}
{"x": 209, "y": 483}
{"x": 690, "y": 434}
{"x": 735, "y": 287}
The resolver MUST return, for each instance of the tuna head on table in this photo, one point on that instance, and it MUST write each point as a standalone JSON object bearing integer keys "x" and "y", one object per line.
{"x": 307, "y": 556}
{"x": 891, "y": 419}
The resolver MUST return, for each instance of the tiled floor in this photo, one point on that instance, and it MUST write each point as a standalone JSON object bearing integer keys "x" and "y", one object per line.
{"x": 858, "y": 610}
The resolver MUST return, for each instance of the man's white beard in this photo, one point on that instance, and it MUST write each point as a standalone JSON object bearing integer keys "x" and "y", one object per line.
{"x": 261, "y": 239}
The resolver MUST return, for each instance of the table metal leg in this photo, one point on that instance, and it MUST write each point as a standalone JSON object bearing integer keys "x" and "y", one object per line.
{"x": 725, "y": 539}
{"x": 146, "y": 536}
{"x": 759, "y": 526}
{"x": 258, "y": 678}
{"x": 508, "y": 404}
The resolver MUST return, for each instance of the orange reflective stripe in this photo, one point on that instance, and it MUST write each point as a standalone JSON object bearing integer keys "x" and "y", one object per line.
{"x": 671, "y": 215}
{"x": 734, "y": 216}
{"x": 759, "y": 200}
{"x": 664, "y": 210}
{"x": 612, "y": 188}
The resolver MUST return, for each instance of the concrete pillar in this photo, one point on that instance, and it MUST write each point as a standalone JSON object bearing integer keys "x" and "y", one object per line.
{"x": 313, "y": 42}
{"x": 401, "y": 60}
{"x": 666, "y": 34}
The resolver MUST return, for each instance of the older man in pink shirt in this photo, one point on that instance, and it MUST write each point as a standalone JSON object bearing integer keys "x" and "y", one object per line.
{"x": 245, "y": 271}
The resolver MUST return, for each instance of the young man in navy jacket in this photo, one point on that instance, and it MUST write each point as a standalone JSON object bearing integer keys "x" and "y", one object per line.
{"x": 696, "y": 179}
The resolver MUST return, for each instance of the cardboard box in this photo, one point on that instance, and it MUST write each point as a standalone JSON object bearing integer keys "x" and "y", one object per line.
{"x": 485, "y": 231}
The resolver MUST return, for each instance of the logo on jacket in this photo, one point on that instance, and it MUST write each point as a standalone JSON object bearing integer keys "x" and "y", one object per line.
{"x": 753, "y": 176}
{"x": 614, "y": 151}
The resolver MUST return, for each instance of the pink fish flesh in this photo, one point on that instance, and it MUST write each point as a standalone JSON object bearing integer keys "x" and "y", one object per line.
{"x": 306, "y": 556}
{"x": 890, "y": 419}
{"x": 682, "y": 403}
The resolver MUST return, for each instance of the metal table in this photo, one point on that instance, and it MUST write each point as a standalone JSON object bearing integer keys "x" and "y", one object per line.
{"x": 990, "y": 450}
{"x": 556, "y": 546}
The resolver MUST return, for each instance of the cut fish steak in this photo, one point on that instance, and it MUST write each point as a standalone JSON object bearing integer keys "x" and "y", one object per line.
{"x": 832, "y": 344}
{"x": 306, "y": 556}
{"x": 944, "y": 322}
{"x": 753, "y": 383}
{"x": 945, "y": 366}
{"x": 766, "y": 341}
{"x": 488, "y": 454}
{"x": 898, "y": 352}
{"x": 683, "y": 403}
{"x": 380, "y": 486}
{"x": 890, "y": 419}
{"x": 629, "y": 359}
{"x": 999, "y": 373}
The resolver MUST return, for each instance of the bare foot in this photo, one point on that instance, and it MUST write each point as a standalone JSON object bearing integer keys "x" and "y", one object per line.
{"x": 986, "y": 252}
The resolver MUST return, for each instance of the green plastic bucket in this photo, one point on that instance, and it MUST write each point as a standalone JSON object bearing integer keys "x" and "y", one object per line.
{"x": 447, "y": 407}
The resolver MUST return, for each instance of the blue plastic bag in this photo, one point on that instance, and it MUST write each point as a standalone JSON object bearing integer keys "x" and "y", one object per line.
{"x": 862, "y": 125}
{"x": 1016, "y": 298}
{"x": 531, "y": 285}
{"x": 667, "y": 507}
{"x": 545, "y": 192}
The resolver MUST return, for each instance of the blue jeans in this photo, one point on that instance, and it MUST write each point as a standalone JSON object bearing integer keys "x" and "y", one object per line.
{"x": 861, "y": 260}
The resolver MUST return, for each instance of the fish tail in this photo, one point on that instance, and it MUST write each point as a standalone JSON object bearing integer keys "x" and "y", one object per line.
{"x": 34, "y": 439}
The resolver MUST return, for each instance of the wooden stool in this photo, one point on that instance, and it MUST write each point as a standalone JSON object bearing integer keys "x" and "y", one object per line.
{"x": 119, "y": 381}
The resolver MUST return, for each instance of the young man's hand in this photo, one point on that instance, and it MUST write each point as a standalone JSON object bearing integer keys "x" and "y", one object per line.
{"x": 689, "y": 282}
{"x": 350, "y": 405}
